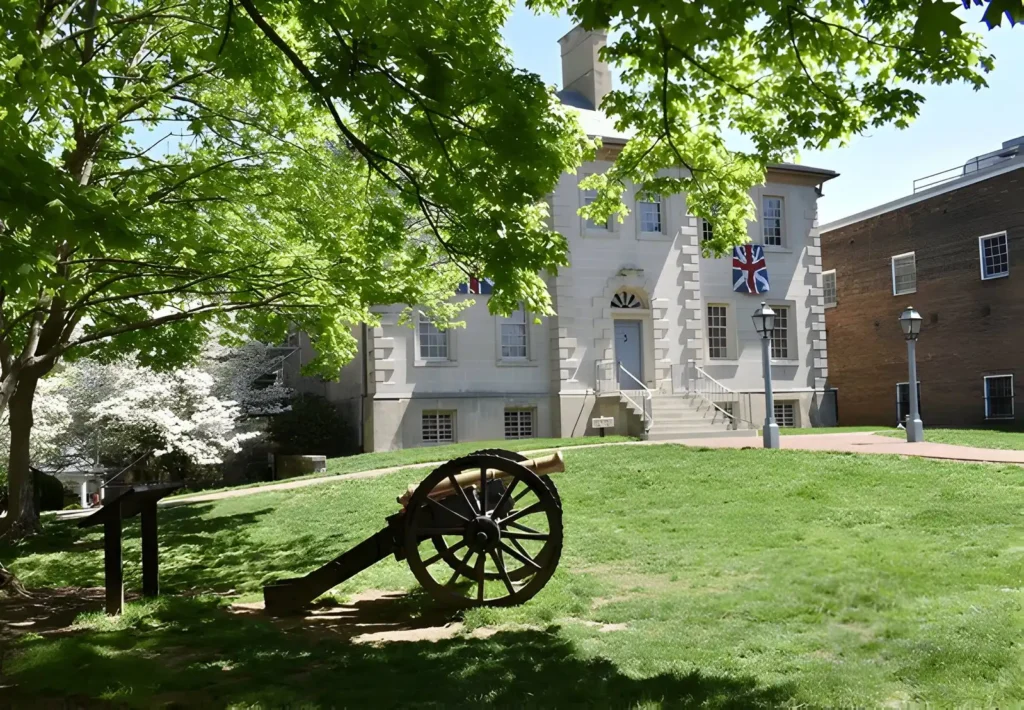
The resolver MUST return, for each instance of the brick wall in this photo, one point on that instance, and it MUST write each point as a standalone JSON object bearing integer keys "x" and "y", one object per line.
{"x": 972, "y": 327}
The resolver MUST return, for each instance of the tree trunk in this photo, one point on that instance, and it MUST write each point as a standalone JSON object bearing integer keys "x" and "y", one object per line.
{"x": 22, "y": 516}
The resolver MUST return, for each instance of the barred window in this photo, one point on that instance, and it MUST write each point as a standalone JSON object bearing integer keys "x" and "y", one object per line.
{"x": 518, "y": 423}
{"x": 785, "y": 414}
{"x": 904, "y": 274}
{"x": 588, "y": 197}
{"x": 433, "y": 342}
{"x": 995, "y": 256}
{"x": 718, "y": 333}
{"x": 828, "y": 287}
{"x": 438, "y": 427}
{"x": 513, "y": 336}
{"x": 707, "y": 231}
{"x": 771, "y": 221}
{"x": 780, "y": 336}
{"x": 650, "y": 215}
{"x": 999, "y": 397}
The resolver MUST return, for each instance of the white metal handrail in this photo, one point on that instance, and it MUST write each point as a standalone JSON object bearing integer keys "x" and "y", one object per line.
{"x": 712, "y": 392}
{"x": 648, "y": 396}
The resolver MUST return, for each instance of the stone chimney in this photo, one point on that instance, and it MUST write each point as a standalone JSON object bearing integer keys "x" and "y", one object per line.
{"x": 582, "y": 70}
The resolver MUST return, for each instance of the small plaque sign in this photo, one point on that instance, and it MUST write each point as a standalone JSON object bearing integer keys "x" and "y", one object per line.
{"x": 602, "y": 422}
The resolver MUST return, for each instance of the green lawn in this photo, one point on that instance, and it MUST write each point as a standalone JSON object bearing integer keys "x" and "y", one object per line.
{"x": 739, "y": 578}
{"x": 427, "y": 454}
{"x": 980, "y": 438}
{"x": 403, "y": 457}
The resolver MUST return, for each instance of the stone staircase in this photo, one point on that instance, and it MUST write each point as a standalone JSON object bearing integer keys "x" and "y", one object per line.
{"x": 684, "y": 416}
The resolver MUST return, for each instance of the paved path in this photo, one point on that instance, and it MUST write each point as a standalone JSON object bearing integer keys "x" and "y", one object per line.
{"x": 867, "y": 443}
{"x": 859, "y": 443}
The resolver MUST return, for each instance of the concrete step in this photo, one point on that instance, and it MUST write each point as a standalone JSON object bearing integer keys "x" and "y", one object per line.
{"x": 689, "y": 424}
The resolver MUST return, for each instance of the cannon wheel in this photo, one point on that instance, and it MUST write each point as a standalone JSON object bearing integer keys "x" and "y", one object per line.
{"x": 486, "y": 539}
{"x": 516, "y": 575}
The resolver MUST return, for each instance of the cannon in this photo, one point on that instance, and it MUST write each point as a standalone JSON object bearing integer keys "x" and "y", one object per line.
{"x": 481, "y": 530}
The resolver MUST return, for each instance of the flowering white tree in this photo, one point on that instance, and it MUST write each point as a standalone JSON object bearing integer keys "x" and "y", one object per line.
{"x": 110, "y": 414}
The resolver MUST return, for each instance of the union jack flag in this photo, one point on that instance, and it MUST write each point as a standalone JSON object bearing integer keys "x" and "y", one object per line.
{"x": 749, "y": 271}
{"x": 476, "y": 287}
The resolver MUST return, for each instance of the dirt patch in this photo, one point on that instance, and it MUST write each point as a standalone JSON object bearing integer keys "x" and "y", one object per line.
{"x": 603, "y": 628}
{"x": 373, "y": 616}
{"x": 47, "y": 610}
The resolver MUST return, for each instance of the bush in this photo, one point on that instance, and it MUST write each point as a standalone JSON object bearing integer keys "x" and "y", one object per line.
{"x": 313, "y": 426}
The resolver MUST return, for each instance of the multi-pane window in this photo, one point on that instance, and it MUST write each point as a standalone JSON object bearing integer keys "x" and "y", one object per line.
{"x": 903, "y": 401}
{"x": 518, "y": 423}
{"x": 999, "y": 397}
{"x": 771, "y": 221}
{"x": 513, "y": 336}
{"x": 995, "y": 256}
{"x": 707, "y": 231}
{"x": 433, "y": 343}
{"x": 785, "y": 414}
{"x": 588, "y": 197}
{"x": 718, "y": 332}
{"x": 780, "y": 336}
{"x": 438, "y": 427}
{"x": 828, "y": 287}
{"x": 904, "y": 274}
{"x": 650, "y": 214}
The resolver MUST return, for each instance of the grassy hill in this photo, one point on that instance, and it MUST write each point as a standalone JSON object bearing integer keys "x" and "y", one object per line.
{"x": 689, "y": 577}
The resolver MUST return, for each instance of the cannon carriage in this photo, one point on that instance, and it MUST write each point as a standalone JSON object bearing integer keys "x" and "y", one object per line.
{"x": 481, "y": 530}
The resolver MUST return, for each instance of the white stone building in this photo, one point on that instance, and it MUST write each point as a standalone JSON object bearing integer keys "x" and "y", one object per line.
{"x": 638, "y": 300}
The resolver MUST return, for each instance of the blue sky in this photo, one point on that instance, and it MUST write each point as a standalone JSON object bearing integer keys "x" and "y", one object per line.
{"x": 955, "y": 123}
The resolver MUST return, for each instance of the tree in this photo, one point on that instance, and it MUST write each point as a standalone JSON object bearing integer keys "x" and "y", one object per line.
{"x": 788, "y": 75}
{"x": 165, "y": 165}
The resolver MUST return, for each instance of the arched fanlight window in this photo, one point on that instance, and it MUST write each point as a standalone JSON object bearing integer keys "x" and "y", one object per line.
{"x": 625, "y": 299}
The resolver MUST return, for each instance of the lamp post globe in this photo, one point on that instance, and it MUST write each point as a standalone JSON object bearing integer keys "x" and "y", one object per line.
{"x": 764, "y": 320}
{"x": 910, "y": 322}
{"x": 764, "y": 324}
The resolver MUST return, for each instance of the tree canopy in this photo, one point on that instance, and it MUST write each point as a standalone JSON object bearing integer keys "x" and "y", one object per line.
{"x": 788, "y": 75}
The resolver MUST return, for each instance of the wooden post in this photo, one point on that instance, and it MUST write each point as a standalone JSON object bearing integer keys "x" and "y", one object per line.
{"x": 150, "y": 554}
{"x": 113, "y": 572}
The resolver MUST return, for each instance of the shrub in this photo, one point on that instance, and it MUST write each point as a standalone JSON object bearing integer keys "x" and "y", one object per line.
{"x": 313, "y": 426}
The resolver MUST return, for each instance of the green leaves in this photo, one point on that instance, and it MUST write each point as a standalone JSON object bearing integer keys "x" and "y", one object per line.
{"x": 786, "y": 75}
{"x": 935, "y": 19}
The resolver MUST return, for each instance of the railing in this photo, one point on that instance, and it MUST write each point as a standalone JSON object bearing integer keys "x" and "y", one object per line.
{"x": 717, "y": 399}
{"x": 647, "y": 397}
{"x": 971, "y": 166}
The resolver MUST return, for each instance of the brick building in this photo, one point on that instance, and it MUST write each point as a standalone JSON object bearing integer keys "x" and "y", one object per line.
{"x": 955, "y": 251}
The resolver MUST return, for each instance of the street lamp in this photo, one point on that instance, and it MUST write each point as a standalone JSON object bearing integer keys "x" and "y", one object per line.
{"x": 910, "y": 321}
{"x": 764, "y": 324}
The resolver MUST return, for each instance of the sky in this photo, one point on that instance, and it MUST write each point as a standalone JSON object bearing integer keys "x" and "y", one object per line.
{"x": 955, "y": 123}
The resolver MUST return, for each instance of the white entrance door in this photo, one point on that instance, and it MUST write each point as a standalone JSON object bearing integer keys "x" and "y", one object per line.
{"x": 628, "y": 353}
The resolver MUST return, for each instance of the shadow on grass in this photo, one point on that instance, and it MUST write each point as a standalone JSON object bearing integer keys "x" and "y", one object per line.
{"x": 192, "y": 652}
{"x": 199, "y": 553}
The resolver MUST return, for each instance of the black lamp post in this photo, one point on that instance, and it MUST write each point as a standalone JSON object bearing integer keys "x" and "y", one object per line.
{"x": 764, "y": 323}
{"x": 910, "y": 321}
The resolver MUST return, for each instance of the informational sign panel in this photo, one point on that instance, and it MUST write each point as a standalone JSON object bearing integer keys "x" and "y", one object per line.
{"x": 602, "y": 422}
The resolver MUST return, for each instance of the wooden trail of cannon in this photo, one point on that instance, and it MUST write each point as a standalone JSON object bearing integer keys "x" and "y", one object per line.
{"x": 493, "y": 519}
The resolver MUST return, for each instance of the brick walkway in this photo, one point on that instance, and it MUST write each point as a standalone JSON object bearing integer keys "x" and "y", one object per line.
{"x": 867, "y": 443}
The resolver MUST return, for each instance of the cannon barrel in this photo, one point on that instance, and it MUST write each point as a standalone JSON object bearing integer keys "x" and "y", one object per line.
{"x": 542, "y": 466}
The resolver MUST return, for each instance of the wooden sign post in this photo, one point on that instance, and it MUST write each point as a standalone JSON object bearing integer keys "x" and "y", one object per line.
{"x": 134, "y": 501}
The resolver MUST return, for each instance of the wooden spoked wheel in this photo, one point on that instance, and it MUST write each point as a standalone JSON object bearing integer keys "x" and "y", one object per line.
{"x": 489, "y": 542}
{"x": 515, "y": 573}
